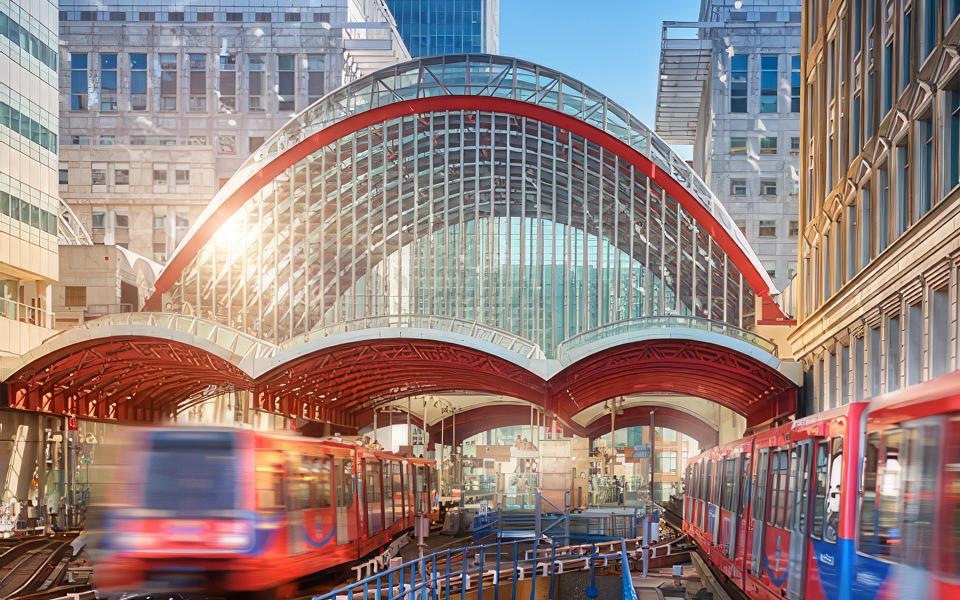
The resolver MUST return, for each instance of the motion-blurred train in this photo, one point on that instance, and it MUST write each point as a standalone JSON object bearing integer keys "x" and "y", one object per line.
{"x": 855, "y": 503}
{"x": 250, "y": 514}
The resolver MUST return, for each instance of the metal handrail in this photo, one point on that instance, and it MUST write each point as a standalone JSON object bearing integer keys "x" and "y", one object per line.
{"x": 430, "y": 576}
{"x": 663, "y": 322}
{"x": 25, "y": 313}
{"x": 500, "y": 337}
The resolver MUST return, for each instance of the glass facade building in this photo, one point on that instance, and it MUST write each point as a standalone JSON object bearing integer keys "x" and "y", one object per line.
{"x": 434, "y": 27}
{"x": 538, "y": 207}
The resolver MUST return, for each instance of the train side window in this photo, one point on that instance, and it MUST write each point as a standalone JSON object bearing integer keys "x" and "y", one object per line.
{"x": 920, "y": 484}
{"x": 949, "y": 522}
{"x": 832, "y": 520}
{"x": 729, "y": 480}
{"x": 744, "y": 487}
{"x": 880, "y": 508}
{"x": 763, "y": 484}
{"x": 800, "y": 486}
{"x": 321, "y": 487}
{"x": 781, "y": 468}
{"x": 709, "y": 489}
{"x": 400, "y": 499}
{"x": 345, "y": 483}
{"x": 270, "y": 486}
{"x": 820, "y": 487}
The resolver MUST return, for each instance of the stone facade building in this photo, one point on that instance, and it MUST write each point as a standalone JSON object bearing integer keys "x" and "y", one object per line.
{"x": 161, "y": 103}
{"x": 880, "y": 198}
{"x": 732, "y": 92}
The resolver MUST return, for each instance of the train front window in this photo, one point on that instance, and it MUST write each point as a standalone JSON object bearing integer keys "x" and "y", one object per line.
{"x": 949, "y": 529}
{"x": 820, "y": 490}
{"x": 832, "y": 525}
{"x": 192, "y": 472}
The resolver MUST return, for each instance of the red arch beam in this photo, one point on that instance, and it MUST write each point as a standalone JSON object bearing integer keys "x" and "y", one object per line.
{"x": 770, "y": 310}
{"x": 664, "y": 416}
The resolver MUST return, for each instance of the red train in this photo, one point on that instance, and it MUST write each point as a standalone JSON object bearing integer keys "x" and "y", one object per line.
{"x": 858, "y": 502}
{"x": 236, "y": 511}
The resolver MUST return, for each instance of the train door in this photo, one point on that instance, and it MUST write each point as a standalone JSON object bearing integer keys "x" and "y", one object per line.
{"x": 824, "y": 562}
{"x": 738, "y": 552}
{"x": 800, "y": 455}
{"x": 346, "y": 509}
{"x": 758, "y": 511}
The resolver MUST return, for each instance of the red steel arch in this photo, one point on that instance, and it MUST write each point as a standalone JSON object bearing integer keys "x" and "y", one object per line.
{"x": 205, "y": 231}
{"x": 664, "y": 416}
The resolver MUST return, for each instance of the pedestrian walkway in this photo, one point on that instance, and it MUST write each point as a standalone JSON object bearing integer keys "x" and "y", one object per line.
{"x": 659, "y": 584}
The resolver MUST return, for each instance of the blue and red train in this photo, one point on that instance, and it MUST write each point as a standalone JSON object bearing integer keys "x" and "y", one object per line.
{"x": 859, "y": 502}
{"x": 245, "y": 513}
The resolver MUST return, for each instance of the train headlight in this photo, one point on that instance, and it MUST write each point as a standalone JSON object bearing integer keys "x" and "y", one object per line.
{"x": 233, "y": 540}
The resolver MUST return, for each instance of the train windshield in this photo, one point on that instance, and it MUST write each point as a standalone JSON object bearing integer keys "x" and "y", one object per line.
{"x": 192, "y": 472}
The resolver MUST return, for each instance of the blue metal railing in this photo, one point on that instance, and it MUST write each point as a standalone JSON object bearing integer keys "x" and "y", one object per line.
{"x": 451, "y": 574}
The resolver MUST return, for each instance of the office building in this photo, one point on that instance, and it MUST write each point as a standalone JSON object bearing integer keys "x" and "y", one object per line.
{"x": 880, "y": 197}
{"x": 433, "y": 27}
{"x": 161, "y": 103}
{"x": 731, "y": 91}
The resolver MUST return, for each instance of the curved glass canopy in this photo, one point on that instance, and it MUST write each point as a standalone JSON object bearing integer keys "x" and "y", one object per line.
{"x": 492, "y": 216}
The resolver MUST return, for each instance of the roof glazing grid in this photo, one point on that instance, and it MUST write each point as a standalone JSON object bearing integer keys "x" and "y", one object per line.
{"x": 493, "y": 76}
{"x": 482, "y": 216}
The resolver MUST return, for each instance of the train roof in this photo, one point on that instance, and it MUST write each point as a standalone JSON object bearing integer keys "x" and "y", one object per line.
{"x": 937, "y": 396}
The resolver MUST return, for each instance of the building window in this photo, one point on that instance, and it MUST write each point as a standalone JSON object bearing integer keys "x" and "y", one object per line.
{"x": 768, "y": 187}
{"x": 198, "y": 82}
{"x": 121, "y": 176}
{"x": 315, "y": 79}
{"x": 855, "y": 128}
{"x": 844, "y": 371}
{"x": 182, "y": 176}
{"x": 325, "y": 17}
{"x": 204, "y": 17}
{"x": 291, "y": 17}
{"x": 98, "y": 219}
{"x": 868, "y": 96}
{"x": 858, "y": 375}
{"x": 924, "y": 170}
{"x": 78, "y": 81}
{"x": 866, "y": 227}
{"x": 856, "y": 24}
{"x": 262, "y": 17}
{"x": 903, "y": 190}
{"x": 228, "y": 83}
{"x": 893, "y": 353}
{"x": 168, "y": 82}
{"x": 952, "y": 137}
{"x": 929, "y": 37}
{"x": 939, "y": 332}
{"x": 138, "y": 81}
{"x": 769, "y": 79}
{"x": 914, "y": 345}
{"x": 794, "y": 229}
{"x": 738, "y": 187}
{"x": 254, "y": 142}
{"x": 234, "y": 17}
{"x": 146, "y": 16}
{"x": 794, "y": 144}
{"x": 768, "y": 229}
{"x": 256, "y": 82}
{"x": 883, "y": 208}
{"x": 887, "y": 79}
{"x": 176, "y": 17}
{"x": 738, "y": 145}
{"x": 159, "y": 221}
{"x": 286, "y": 77}
{"x": 738, "y": 83}
{"x": 875, "y": 364}
{"x": 795, "y": 84}
{"x": 906, "y": 46}
{"x": 851, "y": 247}
{"x": 63, "y": 176}
{"x": 121, "y": 221}
{"x": 741, "y": 225}
{"x": 75, "y": 296}
{"x": 831, "y": 70}
{"x": 108, "y": 82}
{"x": 953, "y": 11}
{"x": 768, "y": 144}
{"x": 159, "y": 176}
{"x": 98, "y": 176}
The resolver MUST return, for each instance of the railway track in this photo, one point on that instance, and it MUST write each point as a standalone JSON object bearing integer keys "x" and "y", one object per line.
{"x": 32, "y": 566}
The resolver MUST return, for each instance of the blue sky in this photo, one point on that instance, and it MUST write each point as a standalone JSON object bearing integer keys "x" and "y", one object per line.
{"x": 611, "y": 45}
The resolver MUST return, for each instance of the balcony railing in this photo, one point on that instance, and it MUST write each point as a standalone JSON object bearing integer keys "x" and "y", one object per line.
{"x": 642, "y": 324}
{"x": 25, "y": 313}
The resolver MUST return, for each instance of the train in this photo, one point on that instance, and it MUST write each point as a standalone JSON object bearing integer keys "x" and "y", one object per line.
{"x": 854, "y": 503}
{"x": 249, "y": 514}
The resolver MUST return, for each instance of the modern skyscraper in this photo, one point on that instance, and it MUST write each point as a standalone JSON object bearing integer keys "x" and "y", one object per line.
{"x": 732, "y": 91}
{"x": 880, "y": 198}
{"x": 433, "y": 27}
{"x": 161, "y": 104}
{"x": 29, "y": 207}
